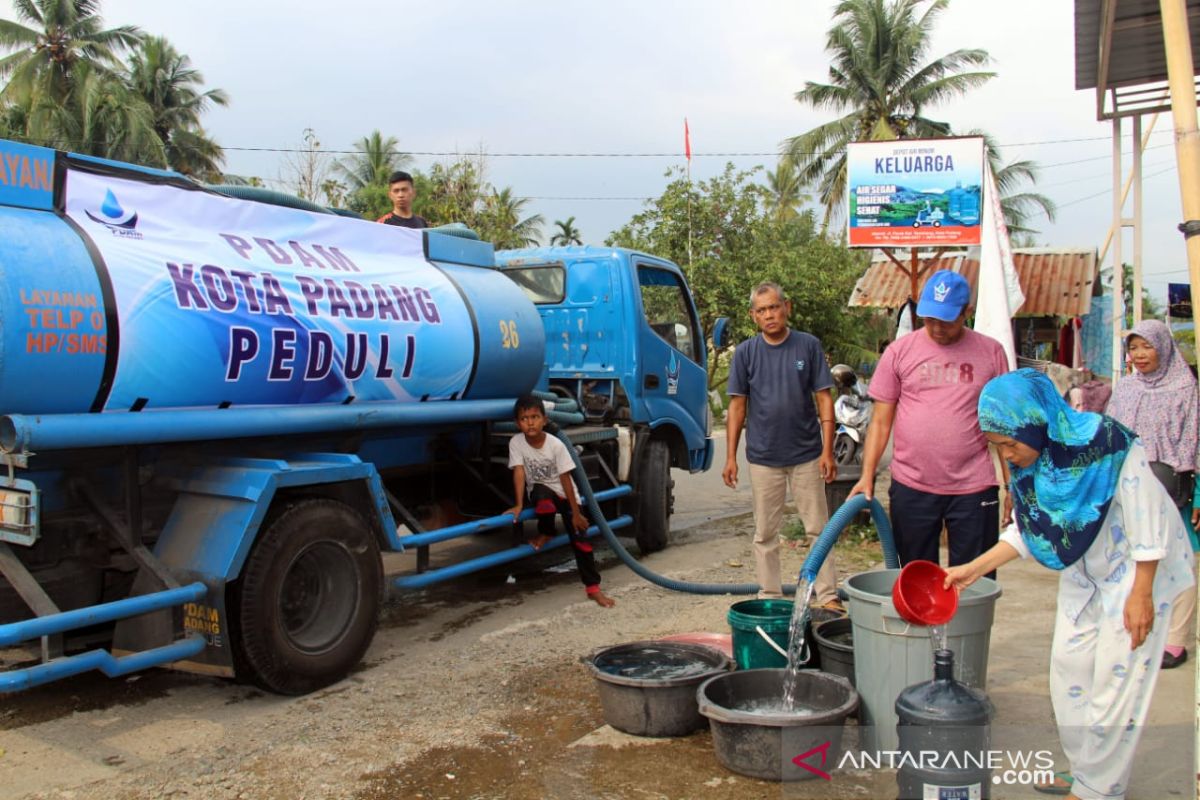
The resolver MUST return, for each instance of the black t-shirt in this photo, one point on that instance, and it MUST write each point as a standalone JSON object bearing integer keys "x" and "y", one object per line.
{"x": 412, "y": 222}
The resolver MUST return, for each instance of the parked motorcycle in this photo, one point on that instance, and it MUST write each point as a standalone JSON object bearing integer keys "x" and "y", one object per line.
{"x": 852, "y": 413}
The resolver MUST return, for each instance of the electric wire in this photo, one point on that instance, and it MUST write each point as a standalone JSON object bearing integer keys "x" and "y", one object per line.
{"x": 56, "y": 142}
{"x": 1060, "y": 206}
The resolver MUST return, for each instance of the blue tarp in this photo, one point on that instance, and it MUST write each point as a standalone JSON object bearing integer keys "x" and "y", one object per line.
{"x": 1096, "y": 337}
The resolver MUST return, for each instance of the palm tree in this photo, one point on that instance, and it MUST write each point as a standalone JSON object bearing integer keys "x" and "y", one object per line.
{"x": 58, "y": 35}
{"x": 567, "y": 233}
{"x": 881, "y": 82}
{"x": 508, "y": 229}
{"x": 374, "y": 160}
{"x": 14, "y": 114}
{"x": 1019, "y": 207}
{"x": 782, "y": 191}
{"x": 99, "y": 116}
{"x": 171, "y": 87}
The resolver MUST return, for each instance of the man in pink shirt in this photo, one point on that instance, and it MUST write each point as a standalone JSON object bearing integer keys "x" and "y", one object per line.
{"x": 927, "y": 387}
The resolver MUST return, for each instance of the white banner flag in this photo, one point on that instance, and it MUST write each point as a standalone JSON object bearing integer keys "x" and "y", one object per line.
{"x": 1000, "y": 294}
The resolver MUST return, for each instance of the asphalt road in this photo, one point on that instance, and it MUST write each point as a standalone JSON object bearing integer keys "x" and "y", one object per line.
{"x": 704, "y": 497}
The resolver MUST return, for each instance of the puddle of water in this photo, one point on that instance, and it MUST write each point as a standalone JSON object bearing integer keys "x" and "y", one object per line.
{"x": 533, "y": 759}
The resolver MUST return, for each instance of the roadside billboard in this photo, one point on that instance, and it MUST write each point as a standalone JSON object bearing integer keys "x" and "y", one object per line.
{"x": 915, "y": 192}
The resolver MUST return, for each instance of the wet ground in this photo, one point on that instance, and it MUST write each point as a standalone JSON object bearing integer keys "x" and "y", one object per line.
{"x": 558, "y": 747}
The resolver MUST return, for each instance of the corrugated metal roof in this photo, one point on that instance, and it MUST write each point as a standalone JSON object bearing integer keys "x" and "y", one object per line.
{"x": 1056, "y": 282}
{"x": 1135, "y": 81}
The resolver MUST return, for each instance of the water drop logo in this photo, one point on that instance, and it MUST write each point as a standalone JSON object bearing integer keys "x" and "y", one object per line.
{"x": 114, "y": 217}
{"x": 940, "y": 291}
{"x": 673, "y": 375}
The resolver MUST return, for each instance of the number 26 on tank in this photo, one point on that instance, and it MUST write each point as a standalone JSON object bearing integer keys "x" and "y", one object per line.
{"x": 509, "y": 340}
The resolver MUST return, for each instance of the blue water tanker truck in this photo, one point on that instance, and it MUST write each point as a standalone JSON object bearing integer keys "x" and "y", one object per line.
{"x": 218, "y": 411}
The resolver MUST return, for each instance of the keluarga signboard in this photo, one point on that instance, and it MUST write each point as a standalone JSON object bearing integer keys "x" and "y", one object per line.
{"x": 915, "y": 192}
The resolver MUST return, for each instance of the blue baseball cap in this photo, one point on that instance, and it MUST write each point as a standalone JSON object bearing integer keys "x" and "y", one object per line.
{"x": 944, "y": 297}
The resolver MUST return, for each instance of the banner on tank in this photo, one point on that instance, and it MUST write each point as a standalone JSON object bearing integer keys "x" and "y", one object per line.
{"x": 219, "y": 300}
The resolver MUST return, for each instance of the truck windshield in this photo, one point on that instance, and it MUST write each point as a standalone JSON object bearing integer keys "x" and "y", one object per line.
{"x": 664, "y": 300}
{"x": 542, "y": 284}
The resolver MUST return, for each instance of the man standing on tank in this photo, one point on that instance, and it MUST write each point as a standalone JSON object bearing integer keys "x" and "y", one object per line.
{"x": 402, "y": 193}
{"x": 927, "y": 386}
{"x": 780, "y": 392}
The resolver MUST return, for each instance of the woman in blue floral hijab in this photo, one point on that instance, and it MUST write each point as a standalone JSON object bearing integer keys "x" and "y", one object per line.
{"x": 1087, "y": 504}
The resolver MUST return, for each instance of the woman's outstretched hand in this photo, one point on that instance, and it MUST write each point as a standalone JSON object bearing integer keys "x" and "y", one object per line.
{"x": 962, "y": 576}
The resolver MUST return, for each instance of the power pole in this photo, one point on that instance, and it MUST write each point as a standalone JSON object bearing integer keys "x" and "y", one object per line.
{"x": 1180, "y": 79}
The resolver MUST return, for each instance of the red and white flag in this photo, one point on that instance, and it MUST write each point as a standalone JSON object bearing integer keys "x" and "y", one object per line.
{"x": 687, "y": 140}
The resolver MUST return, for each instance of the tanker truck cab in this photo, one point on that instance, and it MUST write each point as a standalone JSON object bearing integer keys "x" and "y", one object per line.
{"x": 623, "y": 342}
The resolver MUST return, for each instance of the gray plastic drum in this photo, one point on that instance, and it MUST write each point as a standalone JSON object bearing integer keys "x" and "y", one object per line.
{"x": 891, "y": 654}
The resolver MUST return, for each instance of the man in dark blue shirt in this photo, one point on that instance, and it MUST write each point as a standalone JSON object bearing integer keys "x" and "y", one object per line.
{"x": 779, "y": 391}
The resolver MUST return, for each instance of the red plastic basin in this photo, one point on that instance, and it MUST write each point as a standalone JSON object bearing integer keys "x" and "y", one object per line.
{"x": 919, "y": 596}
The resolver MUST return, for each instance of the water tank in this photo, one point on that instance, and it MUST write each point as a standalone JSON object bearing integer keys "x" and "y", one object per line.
{"x": 155, "y": 294}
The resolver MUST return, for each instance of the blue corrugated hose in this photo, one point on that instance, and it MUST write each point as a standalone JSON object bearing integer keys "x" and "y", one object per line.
{"x": 812, "y": 564}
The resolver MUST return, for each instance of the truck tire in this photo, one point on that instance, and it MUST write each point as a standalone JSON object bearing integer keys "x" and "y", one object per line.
{"x": 655, "y": 498}
{"x": 307, "y": 602}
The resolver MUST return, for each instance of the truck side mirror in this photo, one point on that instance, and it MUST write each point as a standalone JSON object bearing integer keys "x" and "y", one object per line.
{"x": 720, "y": 333}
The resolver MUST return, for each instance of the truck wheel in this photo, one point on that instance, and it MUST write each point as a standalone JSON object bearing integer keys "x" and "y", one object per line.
{"x": 308, "y": 599}
{"x": 655, "y": 500}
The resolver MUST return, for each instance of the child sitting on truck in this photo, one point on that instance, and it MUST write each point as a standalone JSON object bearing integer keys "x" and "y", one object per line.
{"x": 541, "y": 464}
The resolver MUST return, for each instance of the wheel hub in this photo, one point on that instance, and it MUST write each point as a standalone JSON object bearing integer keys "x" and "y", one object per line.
{"x": 318, "y": 597}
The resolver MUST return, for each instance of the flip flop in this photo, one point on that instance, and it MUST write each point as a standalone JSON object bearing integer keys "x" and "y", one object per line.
{"x": 1055, "y": 788}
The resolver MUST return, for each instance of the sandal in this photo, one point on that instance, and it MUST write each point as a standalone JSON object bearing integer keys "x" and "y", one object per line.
{"x": 834, "y": 606}
{"x": 1062, "y": 789}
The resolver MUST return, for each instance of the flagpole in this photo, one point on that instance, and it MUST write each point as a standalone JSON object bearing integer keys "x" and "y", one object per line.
{"x": 689, "y": 205}
{"x": 687, "y": 152}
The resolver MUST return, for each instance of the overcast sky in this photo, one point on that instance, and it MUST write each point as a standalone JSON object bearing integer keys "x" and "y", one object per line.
{"x": 539, "y": 76}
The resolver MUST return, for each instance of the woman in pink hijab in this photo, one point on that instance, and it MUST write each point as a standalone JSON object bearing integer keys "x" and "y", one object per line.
{"x": 1158, "y": 402}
